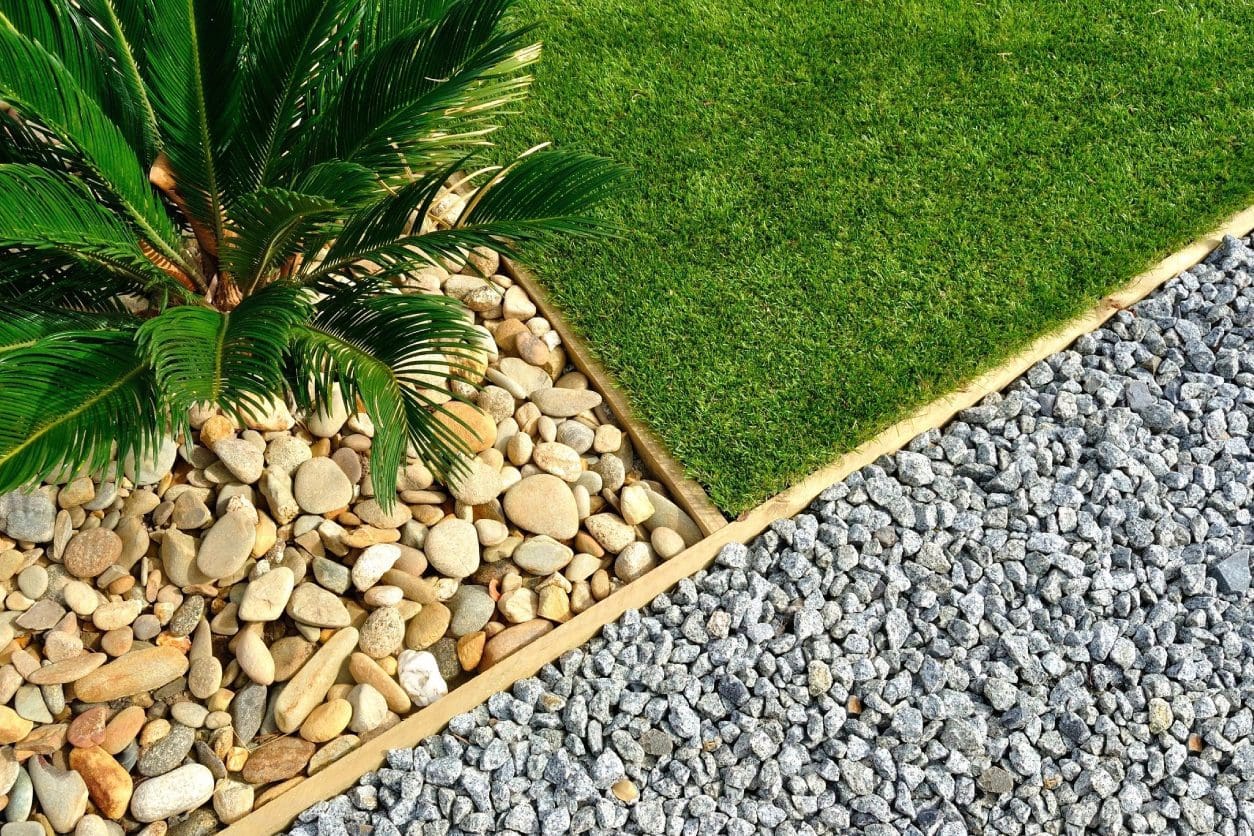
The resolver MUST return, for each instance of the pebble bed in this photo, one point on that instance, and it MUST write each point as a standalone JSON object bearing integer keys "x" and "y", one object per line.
{"x": 190, "y": 638}
{"x": 1036, "y": 620}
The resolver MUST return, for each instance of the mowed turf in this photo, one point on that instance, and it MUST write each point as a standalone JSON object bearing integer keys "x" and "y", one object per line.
{"x": 840, "y": 210}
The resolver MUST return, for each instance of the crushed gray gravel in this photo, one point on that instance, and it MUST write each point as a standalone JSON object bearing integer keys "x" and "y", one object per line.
{"x": 1036, "y": 620}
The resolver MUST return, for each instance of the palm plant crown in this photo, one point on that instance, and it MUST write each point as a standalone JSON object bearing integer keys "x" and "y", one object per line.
{"x": 207, "y": 201}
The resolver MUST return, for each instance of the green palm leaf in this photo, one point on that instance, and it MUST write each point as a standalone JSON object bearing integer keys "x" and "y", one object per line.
{"x": 293, "y": 37}
{"x": 234, "y": 360}
{"x": 191, "y": 59}
{"x": 39, "y": 86}
{"x": 76, "y": 398}
{"x": 423, "y": 97}
{"x": 120, "y": 28}
{"x": 268, "y": 226}
{"x": 540, "y": 197}
{"x": 23, "y": 327}
{"x": 386, "y": 350}
{"x": 43, "y": 212}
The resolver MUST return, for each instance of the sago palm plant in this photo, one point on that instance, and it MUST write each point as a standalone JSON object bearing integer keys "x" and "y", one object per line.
{"x": 208, "y": 202}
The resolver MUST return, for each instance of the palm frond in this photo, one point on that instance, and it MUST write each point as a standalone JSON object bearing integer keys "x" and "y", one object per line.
{"x": 46, "y": 213}
{"x": 38, "y": 85}
{"x": 23, "y": 327}
{"x": 292, "y": 39}
{"x": 191, "y": 60}
{"x": 75, "y": 398}
{"x": 63, "y": 33}
{"x": 120, "y": 27}
{"x": 388, "y": 350}
{"x": 234, "y": 360}
{"x": 384, "y": 20}
{"x": 267, "y": 227}
{"x": 540, "y": 197}
{"x": 425, "y": 96}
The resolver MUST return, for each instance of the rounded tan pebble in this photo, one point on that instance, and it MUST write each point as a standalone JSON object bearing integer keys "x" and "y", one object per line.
{"x": 511, "y": 640}
{"x": 204, "y": 677}
{"x": 290, "y": 653}
{"x": 634, "y": 504}
{"x": 491, "y": 532}
{"x": 581, "y": 567}
{"x": 428, "y": 626}
{"x": 327, "y": 721}
{"x": 109, "y": 785}
{"x": 600, "y": 584}
{"x": 625, "y": 791}
{"x": 382, "y": 633}
{"x": 153, "y": 731}
{"x": 33, "y": 581}
{"x": 123, "y": 729}
{"x": 116, "y": 642}
{"x": 558, "y": 459}
{"x": 253, "y": 655}
{"x": 116, "y": 614}
{"x": 13, "y": 727}
{"x": 543, "y": 504}
{"x": 580, "y": 597}
{"x": 232, "y": 800}
{"x": 666, "y": 542}
{"x": 91, "y": 552}
{"x": 608, "y": 439}
{"x": 311, "y": 683}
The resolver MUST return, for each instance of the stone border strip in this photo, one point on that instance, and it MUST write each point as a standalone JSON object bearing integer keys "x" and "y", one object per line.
{"x": 281, "y": 811}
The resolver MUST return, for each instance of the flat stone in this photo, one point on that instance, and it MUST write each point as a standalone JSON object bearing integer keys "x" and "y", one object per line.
{"x": 248, "y": 709}
{"x": 313, "y": 605}
{"x": 62, "y": 794}
{"x": 667, "y": 514}
{"x": 373, "y": 562}
{"x": 153, "y": 465}
{"x": 13, "y": 726}
{"x": 242, "y": 458}
{"x": 542, "y": 555}
{"x": 168, "y": 752}
{"x": 543, "y": 504}
{"x": 452, "y": 548}
{"x": 109, "y": 785}
{"x": 332, "y": 752}
{"x": 277, "y": 760}
{"x": 565, "y": 403}
{"x": 310, "y": 684}
{"x": 70, "y": 670}
{"x": 28, "y": 517}
{"x": 227, "y": 544}
{"x": 557, "y": 459}
{"x": 266, "y": 597}
{"x": 133, "y": 673}
{"x": 321, "y": 486}
{"x": 366, "y": 671}
{"x": 179, "y": 791}
{"x": 88, "y": 728}
{"x": 43, "y": 615}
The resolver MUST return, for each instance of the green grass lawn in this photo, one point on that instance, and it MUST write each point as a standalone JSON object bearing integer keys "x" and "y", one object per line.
{"x": 843, "y": 209}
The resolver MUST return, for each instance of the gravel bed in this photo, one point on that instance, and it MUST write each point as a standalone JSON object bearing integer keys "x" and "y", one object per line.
{"x": 1037, "y": 620}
